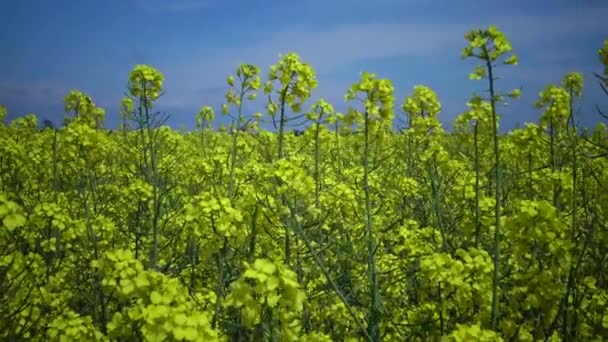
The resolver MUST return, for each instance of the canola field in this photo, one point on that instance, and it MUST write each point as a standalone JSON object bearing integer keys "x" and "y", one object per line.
{"x": 351, "y": 231}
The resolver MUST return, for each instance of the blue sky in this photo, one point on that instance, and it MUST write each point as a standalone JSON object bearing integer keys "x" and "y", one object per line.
{"x": 51, "y": 47}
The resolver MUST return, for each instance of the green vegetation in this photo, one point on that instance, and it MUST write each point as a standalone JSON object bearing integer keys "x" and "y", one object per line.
{"x": 350, "y": 231}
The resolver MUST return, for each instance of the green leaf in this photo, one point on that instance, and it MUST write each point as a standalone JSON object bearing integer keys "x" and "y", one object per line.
{"x": 515, "y": 93}
{"x": 13, "y": 221}
{"x": 141, "y": 281}
{"x": 273, "y": 299}
{"x": 513, "y": 60}
{"x": 265, "y": 266}
{"x": 156, "y": 297}
{"x": 180, "y": 319}
{"x": 272, "y": 283}
{"x": 190, "y": 334}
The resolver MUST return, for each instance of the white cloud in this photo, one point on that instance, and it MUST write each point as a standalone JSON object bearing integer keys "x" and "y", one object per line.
{"x": 329, "y": 48}
{"x": 325, "y": 49}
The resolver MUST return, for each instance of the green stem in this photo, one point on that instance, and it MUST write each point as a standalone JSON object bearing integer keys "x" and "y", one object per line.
{"x": 477, "y": 176}
{"x": 316, "y": 171}
{"x": 374, "y": 311}
{"x": 496, "y": 275}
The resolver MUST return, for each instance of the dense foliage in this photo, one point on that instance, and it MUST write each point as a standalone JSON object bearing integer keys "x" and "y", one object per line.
{"x": 351, "y": 231}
